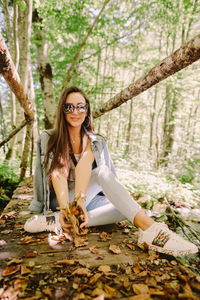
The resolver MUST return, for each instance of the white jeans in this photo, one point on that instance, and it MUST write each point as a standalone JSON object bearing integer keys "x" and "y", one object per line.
{"x": 115, "y": 205}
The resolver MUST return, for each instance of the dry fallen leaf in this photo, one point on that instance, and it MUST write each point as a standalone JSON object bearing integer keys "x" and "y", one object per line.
{"x": 80, "y": 296}
{"x": 126, "y": 285}
{"x": 97, "y": 292}
{"x": 140, "y": 297}
{"x": 82, "y": 271}
{"x": 105, "y": 236}
{"x": 110, "y": 291}
{"x": 27, "y": 240}
{"x": 66, "y": 262}
{"x": 30, "y": 254}
{"x": 95, "y": 278}
{"x": 25, "y": 270}
{"x": 131, "y": 246}
{"x": 136, "y": 268}
{"x": 115, "y": 249}
{"x": 105, "y": 269}
{"x": 47, "y": 292}
{"x": 14, "y": 261}
{"x": 20, "y": 284}
{"x": 10, "y": 270}
{"x": 140, "y": 288}
{"x": 143, "y": 273}
{"x": 6, "y": 231}
{"x": 80, "y": 241}
{"x": 99, "y": 297}
{"x": 94, "y": 249}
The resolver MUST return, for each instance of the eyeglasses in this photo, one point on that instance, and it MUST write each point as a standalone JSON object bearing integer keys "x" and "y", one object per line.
{"x": 68, "y": 108}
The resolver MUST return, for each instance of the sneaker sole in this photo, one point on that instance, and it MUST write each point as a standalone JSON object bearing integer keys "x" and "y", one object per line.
{"x": 144, "y": 246}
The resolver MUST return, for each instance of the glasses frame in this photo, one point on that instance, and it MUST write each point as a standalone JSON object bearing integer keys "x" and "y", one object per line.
{"x": 84, "y": 107}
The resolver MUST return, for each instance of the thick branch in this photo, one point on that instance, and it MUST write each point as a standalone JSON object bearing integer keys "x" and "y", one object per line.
{"x": 68, "y": 76}
{"x": 15, "y": 131}
{"x": 8, "y": 70}
{"x": 181, "y": 58}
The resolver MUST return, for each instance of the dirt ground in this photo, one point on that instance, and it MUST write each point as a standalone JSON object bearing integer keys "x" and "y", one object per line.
{"x": 108, "y": 266}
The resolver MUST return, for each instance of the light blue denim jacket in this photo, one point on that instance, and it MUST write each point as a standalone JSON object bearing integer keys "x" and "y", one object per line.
{"x": 41, "y": 200}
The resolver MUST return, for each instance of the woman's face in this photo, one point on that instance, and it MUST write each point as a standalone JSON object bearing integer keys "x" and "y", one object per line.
{"x": 75, "y": 116}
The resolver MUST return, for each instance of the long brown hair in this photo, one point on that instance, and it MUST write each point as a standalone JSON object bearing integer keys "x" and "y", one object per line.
{"x": 59, "y": 141}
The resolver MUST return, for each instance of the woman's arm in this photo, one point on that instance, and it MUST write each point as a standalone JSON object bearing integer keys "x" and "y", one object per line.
{"x": 82, "y": 177}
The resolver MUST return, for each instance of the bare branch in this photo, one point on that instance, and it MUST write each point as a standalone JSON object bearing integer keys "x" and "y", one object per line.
{"x": 15, "y": 131}
{"x": 9, "y": 72}
{"x": 181, "y": 58}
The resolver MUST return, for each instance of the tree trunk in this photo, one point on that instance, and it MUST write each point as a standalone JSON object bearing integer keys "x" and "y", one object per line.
{"x": 153, "y": 114}
{"x": 45, "y": 72}
{"x": 129, "y": 128}
{"x": 181, "y": 58}
{"x": 169, "y": 124}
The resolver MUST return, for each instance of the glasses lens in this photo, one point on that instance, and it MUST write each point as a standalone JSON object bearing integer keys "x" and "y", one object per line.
{"x": 68, "y": 108}
{"x": 81, "y": 108}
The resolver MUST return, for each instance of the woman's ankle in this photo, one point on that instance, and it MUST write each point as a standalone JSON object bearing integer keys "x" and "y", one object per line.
{"x": 143, "y": 221}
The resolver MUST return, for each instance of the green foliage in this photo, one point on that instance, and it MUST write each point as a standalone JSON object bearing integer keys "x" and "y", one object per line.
{"x": 9, "y": 171}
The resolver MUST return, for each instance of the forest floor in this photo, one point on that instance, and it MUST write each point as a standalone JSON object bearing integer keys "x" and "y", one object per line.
{"x": 109, "y": 266}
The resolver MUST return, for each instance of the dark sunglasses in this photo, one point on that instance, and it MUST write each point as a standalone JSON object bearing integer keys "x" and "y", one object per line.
{"x": 69, "y": 108}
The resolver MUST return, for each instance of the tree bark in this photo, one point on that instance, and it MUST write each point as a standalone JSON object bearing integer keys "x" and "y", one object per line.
{"x": 45, "y": 72}
{"x": 181, "y": 58}
{"x": 68, "y": 76}
{"x": 7, "y": 69}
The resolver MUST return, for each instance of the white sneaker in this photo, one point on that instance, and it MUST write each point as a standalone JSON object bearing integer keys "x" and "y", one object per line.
{"x": 40, "y": 223}
{"x": 159, "y": 238}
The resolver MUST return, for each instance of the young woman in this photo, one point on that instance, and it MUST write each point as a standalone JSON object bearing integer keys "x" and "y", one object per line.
{"x": 73, "y": 161}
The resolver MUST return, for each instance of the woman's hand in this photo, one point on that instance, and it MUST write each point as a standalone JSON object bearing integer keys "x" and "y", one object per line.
{"x": 66, "y": 225}
{"x": 84, "y": 217}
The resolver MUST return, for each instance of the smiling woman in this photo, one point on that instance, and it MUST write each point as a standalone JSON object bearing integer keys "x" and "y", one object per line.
{"x": 74, "y": 166}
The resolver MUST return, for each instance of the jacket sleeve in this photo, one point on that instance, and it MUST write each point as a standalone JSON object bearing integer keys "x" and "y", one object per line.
{"x": 108, "y": 159}
{"x": 38, "y": 201}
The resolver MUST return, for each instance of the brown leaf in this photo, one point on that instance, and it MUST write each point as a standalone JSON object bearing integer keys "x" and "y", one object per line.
{"x": 195, "y": 285}
{"x": 136, "y": 268}
{"x": 25, "y": 270}
{"x": 140, "y": 288}
{"x": 187, "y": 289}
{"x": 105, "y": 236}
{"x": 47, "y": 292}
{"x": 30, "y": 254}
{"x": 99, "y": 297}
{"x": 98, "y": 292}
{"x": 110, "y": 291}
{"x": 10, "y": 270}
{"x": 156, "y": 292}
{"x": 20, "y": 284}
{"x": 94, "y": 249}
{"x": 80, "y": 297}
{"x": 131, "y": 246}
{"x": 6, "y": 231}
{"x": 66, "y": 262}
{"x": 140, "y": 297}
{"x": 126, "y": 285}
{"x": 27, "y": 240}
{"x": 172, "y": 287}
{"x": 105, "y": 269}
{"x": 14, "y": 261}
{"x": 95, "y": 278}
{"x": 143, "y": 273}
{"x": 115, "y": 249}
{"x": 80, "y": 241}
{"x": 82, "y": 271}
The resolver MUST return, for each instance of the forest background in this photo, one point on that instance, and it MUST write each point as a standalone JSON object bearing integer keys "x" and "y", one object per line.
{"x": 104, "y": 47}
